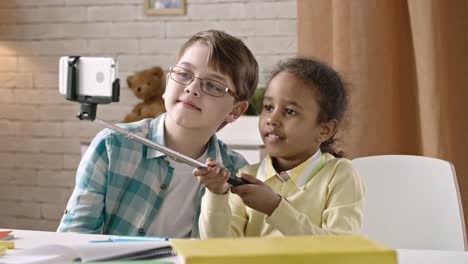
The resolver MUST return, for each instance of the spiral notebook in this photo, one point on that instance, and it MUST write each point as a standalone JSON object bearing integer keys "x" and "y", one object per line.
{"x": 152, "y": 253}
{"x": 90, "y": 252}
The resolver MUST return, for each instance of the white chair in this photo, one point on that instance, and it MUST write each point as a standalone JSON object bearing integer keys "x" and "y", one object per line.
{"x": 243, "y": 137}
{"x": 412, "y": 202}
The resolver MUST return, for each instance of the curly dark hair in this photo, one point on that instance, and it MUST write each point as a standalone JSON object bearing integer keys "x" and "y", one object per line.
{"x": 333, "y": 96}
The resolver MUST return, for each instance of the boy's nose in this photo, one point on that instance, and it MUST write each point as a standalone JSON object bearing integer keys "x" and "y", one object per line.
{"x": 194, "y": 88}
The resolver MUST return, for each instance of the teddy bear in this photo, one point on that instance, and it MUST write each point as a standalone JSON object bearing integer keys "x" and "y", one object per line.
{"x": 147, "y": 85}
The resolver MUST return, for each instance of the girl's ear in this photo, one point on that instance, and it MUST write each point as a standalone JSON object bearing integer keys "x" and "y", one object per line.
{"x": 238, "y": 109}
{"x": 328, "y": 129}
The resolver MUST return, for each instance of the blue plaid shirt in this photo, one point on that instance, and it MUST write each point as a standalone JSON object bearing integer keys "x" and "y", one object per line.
{"x": 118, "y": 182}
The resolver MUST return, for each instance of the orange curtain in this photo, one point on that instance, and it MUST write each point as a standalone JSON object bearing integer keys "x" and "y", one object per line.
{"x": 406, "y": 62}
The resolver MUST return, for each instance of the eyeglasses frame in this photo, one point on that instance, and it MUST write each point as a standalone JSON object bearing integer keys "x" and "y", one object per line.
{"x": 202, "y": 80}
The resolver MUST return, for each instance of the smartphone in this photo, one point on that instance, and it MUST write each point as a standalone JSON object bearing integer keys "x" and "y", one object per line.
{"x": 95, "y": 76}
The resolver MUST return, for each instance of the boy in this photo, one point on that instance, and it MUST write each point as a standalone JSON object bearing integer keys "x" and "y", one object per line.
{"x": 126, "y": 188}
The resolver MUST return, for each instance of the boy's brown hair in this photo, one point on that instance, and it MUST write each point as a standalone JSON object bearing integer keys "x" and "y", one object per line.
{"x": 230, "y": 56}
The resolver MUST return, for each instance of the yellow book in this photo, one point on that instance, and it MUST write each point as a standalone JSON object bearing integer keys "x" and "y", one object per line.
{"x": 2, "y": 250}
{"x": 294, "y": 249}
{"x": 8, "y": 244}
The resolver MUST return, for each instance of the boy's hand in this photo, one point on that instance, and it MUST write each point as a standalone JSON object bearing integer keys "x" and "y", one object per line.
{"x": 257, "y": 195}
{"x": 213, "y": 177}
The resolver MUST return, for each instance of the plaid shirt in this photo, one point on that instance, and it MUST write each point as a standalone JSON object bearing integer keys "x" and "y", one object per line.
{"x": 121, "y": 184}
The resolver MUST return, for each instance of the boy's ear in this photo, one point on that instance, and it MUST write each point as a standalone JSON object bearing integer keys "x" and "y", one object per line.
{"x": 238, "y": 110}
{"x": 167, "y": 79}
{"x": 328, "y": 129}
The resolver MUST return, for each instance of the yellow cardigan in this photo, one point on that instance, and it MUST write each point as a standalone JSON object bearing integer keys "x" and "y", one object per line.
{"x": 329, "y": 203}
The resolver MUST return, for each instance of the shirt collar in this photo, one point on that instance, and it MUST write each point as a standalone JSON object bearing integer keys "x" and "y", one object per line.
{"x": 156, "y": 134}
{"x": 300, "y": 174}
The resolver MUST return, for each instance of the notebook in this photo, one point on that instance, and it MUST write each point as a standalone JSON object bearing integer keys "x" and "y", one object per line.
{"x": 90, "y": 252}
{"x": 276, "y": 250}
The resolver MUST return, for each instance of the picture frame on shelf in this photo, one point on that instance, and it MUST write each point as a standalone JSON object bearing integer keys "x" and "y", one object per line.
{"x": 164, "y": 7}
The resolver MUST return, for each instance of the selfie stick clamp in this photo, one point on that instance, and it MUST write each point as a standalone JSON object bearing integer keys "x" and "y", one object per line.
{"x": 88, "y": 104}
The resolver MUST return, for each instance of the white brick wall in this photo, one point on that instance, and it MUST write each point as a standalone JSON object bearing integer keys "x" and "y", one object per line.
{"x": 39, "y": 135}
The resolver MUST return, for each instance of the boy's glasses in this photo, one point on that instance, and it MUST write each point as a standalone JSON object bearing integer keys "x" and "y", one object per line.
{"x": 208, "y": 86}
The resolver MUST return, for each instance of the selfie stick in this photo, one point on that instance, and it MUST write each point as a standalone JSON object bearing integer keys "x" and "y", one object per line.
{"x": 88, "y": 109}
{"x": 176, "y": 156}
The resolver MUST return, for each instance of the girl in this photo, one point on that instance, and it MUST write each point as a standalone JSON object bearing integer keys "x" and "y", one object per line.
{"x": 303, "y": 186}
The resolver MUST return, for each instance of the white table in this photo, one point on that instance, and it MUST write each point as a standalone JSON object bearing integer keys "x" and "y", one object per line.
{"x": 25, "y": 239}
{"x": 420, "y": 256}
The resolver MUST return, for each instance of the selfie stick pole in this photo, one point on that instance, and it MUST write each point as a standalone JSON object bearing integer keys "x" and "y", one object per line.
{"x": 174, "y": 154}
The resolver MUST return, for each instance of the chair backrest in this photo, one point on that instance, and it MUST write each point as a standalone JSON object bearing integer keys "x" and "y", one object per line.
{"x": 412, "y": 202}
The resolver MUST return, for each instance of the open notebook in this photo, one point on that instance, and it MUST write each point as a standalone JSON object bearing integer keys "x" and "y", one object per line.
{"x": 89, "y": 252}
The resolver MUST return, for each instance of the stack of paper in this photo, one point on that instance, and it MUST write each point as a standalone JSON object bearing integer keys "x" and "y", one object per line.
{"x": 276, "y": 250}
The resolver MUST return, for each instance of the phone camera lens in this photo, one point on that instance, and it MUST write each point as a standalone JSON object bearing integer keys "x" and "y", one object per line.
{"x": 99, "y": 77}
